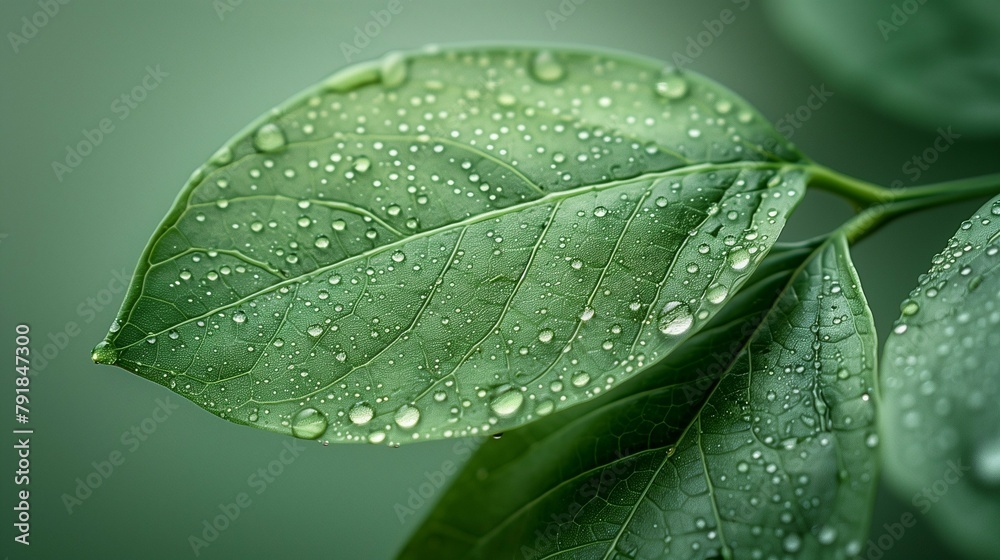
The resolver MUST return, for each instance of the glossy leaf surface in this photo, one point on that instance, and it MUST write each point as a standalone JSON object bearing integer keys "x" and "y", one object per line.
{"x": 455, "y": 242}
{"x": 756, "y": 439}
{"x": 942, "y": 388}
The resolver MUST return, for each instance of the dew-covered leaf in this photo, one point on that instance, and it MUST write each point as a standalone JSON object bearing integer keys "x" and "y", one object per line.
{"x": 927, "y": 63}
{"x": 941, "y": 380}
{"x": 426, "y": 246}
{"x": 753, "y": 440}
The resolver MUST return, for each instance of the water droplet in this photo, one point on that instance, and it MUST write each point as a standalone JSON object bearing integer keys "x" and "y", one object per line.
{"x": 308, "y": 423}
{"x": 269, "y": 138}
{"x": 580, "y": 379}
{"x": 676, "y": 318}
{"x": 739, "y": 258}
{"x": 872, "y": 440}
{"x": 672, "y": 86}
{"x": 315, "y": 330}
{"x": 545, "y": 67}
{"x": 393, "y": 70}
{"x": 361, "y": 414}
{"x": 791, "y": 543}
{"x": 546, "y": 335}
{"x": 986, "y": 463}
{"x": 339, "y": 225}
{"x": 600, "y": 211}
{"x": 104, "y": 353}
{"x": 716, "y": 293}
{"x": 399, "y": 256}
{"x": 407, "y": 416}
{"x": 322, "y": 242}
{"x": 507, "y": 403}
{"x": 545, "y": 407}
{"x": 362, "y": 164}
{"x": 909, "y": 307}
{"x": 223, "y": 156}
{"x": 240, "y": 317}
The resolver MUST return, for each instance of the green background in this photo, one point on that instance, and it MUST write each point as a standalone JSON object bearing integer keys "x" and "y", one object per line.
{"x": 64, "y": 241}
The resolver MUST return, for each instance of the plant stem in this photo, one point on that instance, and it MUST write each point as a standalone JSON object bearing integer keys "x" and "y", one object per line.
{"x": 878, "y": 205}
{"x": 857, "y": 191}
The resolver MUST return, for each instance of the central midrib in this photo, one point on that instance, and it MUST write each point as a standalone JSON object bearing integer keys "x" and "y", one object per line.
{"x": 541, "y": 201}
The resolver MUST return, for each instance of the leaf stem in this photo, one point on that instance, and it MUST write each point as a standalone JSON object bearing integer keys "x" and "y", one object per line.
{"x": 878, "y": 205}
{"x": 861, "y": 193}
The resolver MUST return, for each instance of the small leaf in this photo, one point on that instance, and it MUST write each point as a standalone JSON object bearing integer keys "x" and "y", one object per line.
{"x": 754, "y": 440}
{"x": 426, "y": 246}
{"x": 924, "y": 62}
{"x": 942, "y": 387}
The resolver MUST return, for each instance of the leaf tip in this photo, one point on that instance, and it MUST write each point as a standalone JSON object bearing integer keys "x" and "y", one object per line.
{"x": 104, "y": 353}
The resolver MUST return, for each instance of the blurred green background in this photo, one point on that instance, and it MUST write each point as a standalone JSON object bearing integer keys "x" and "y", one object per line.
{"x": 65, "y": 243}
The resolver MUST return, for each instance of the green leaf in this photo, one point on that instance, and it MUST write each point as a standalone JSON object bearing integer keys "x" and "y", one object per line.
{"x": 754, "y": 440}
{"x": 924, "y": 62}
{"x": 428, "y": 246}
{"x": 942, "y": 387}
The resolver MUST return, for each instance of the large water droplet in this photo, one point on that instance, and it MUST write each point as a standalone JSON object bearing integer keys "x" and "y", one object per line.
{"x": 791, "y": 543}
{"x": 545, "y": 67}
{"x": 104, "y": 353}
{"x": 393, "y": 70}
{"x": 580, "y": 379}
{"x": 507, "y": 402}
{"x": 716, "y": 293}
{"x": 739, "y": 258}
{"x": 986, "y": 463}
{"x": 269, "y": 138}
{"x": 361, "y": 414}
{"x": 676, "y": 318}
{"x": 407, "y": 416}
{"x": 308, "y": 423}
{"x": 672, "y": 86}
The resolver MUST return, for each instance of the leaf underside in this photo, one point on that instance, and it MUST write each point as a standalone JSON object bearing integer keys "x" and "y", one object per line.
{"x": 454, "y": 242}
{"x": 753, "y": 440}
{"x": 942, "y": 385}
